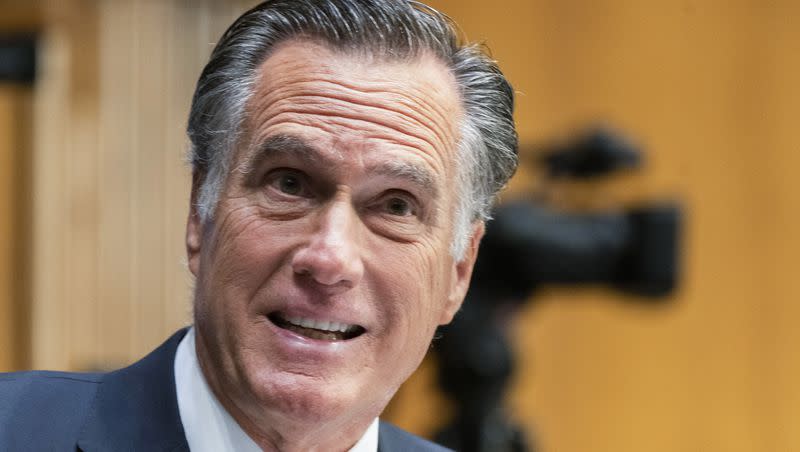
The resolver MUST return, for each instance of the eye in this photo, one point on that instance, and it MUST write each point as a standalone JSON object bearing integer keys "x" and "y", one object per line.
{"x": 288, "y": 182}
{"x": 399, "y": 206}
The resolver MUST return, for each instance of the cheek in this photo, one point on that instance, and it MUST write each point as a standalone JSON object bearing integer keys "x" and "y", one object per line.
{"x": 244, "y": 253}
{"x": 417, "y": 281}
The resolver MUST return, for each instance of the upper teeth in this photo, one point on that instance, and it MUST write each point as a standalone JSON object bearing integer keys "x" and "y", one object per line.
{"x": 320, "y": 325}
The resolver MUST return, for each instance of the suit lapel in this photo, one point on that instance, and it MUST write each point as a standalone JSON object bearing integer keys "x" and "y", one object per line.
{"x": 136, "y": 407}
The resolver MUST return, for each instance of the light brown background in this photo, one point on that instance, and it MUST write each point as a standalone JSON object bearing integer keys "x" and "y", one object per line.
{"x": 709, "y": 88}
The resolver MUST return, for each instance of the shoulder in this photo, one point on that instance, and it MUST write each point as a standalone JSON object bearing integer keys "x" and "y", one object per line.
{"x": 60, "y": 389}
{"x": 393, "y": 439}
{"x": 39, "y": 407}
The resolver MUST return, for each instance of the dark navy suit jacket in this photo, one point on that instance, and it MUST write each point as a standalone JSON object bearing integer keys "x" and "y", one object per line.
{"x": 131, "y": 409}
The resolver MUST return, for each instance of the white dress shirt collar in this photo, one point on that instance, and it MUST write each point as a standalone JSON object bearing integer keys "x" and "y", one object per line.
{"x": 208, "y": 426}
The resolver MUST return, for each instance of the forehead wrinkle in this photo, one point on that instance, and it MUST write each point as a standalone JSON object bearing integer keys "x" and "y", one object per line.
{"x": 295, "y": 71}
{"x": 433, "y": 113}
{"x": 311, "y": 105}
{"x": 417, "y": 106}
{"x": 336, "y": 111}
{"x": 411, "y": 103}
{"x": 357, "y": 124}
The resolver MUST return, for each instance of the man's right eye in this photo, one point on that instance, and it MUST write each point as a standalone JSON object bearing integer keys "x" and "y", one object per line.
{"x": 288, "y": 182}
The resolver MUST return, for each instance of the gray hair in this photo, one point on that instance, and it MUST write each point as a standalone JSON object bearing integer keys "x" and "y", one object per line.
{"x": 395, "y": 29}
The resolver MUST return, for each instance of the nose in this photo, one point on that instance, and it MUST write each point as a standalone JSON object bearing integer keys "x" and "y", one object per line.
{"x": 331, "y": 257}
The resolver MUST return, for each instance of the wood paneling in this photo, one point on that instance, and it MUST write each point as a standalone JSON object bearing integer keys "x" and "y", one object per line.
{"x": 20, "y": 15}
{"x": 8, "y": 157}
{"x": 15, "y": 130}
{"x": 112, "y": 190}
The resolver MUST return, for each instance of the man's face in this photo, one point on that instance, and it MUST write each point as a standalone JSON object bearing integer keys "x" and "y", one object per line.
{"x": 326, "y": 268}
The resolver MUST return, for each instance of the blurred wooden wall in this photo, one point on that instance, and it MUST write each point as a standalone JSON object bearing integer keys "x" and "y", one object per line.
{"x": 15, "y": 137}
{"x": 109, "y": 280}
{"x": 709, "y": 88}
{"x": 16, "y": 130}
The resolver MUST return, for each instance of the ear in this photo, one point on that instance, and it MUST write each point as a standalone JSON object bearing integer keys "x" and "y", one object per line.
{"x": 194, "y": 227}
{"x": 462, "y": 274}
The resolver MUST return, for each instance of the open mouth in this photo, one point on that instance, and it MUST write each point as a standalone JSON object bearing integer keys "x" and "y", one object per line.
{"x": 314, "y": 329}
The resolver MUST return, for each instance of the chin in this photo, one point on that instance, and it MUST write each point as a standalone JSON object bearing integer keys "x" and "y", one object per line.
{"x": 303, "y": 398}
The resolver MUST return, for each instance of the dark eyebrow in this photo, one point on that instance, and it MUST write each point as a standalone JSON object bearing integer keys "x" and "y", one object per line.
{"x": 298, "y": 148}
{"x": 279, "y": 144}
{"x": 415, "y": 174}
